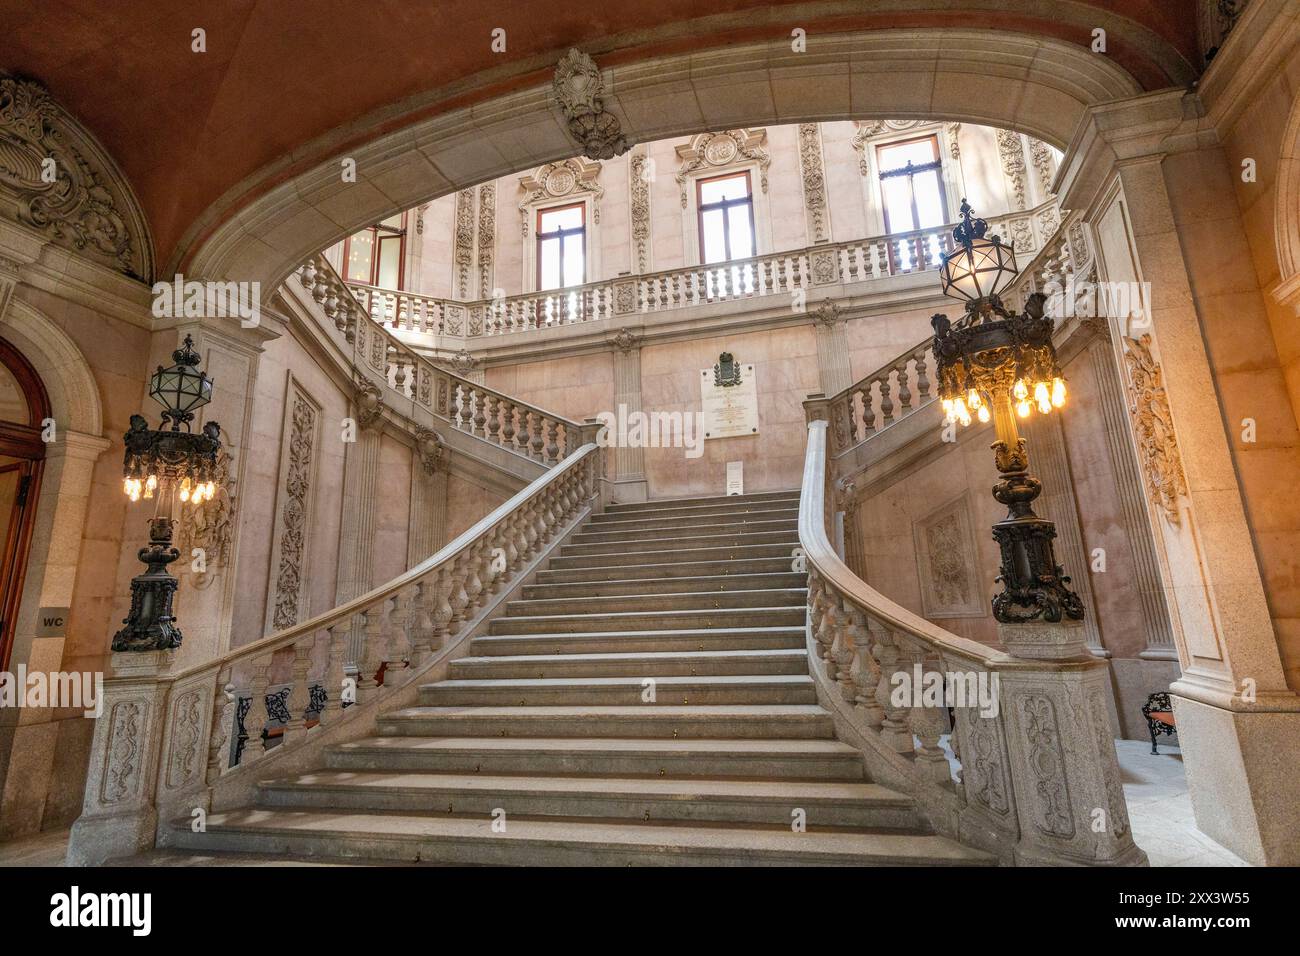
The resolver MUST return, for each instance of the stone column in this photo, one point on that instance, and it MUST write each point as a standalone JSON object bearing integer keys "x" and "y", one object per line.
{"x": 360, "y": 482}
{"x": 629, "y": 463}
{"x": 1237, "y": 717}
{"x": 427, "y": 531}
{"x": 1128, "y": 486}
{"x": 830, "y": 325}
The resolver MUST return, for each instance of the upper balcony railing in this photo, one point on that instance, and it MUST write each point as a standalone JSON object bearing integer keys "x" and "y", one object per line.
{"x": 772, "y": 274}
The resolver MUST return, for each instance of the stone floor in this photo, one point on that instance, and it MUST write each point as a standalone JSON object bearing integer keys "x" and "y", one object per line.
{"x": 1155, "y": 787}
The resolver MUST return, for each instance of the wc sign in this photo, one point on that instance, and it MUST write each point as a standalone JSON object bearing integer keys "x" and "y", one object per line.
{"x": 52, "y": 622}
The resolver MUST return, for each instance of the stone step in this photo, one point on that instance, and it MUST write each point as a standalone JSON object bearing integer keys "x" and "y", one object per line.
{"x": 730, "y": 539}
{"x": 715, "y": 583}
{"x": 559, "y": 691}
{"x": 731, "y": 638}
{"x": 604, "y": 534}
{"x": 597, "y": 569}
{"x": 690, "y": 757}
{"x": 660, "y": 799}
{"x": 649, "y": 603}
{"x": 452, "y": 839}
{"x": 613, "y": 522}
{"x": 717, "y": 721}
{"x": 676, "y": 506}
{"x": 644, "y": 664}
{"x": 649, "y": 621}
{"x": 733, "y": 555}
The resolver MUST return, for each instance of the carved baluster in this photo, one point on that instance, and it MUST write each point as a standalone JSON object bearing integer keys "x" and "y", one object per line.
{"x": 458, "y": 599}
{"x": 927, "y": 723}
{"x": 300, "y": 692}
{"x": 256, "y": 718}
{"x": 398, "y": 647}
{"x": 552, "y": 441}
{"x": 868, "y": 412}
{"x": 373, "y": 651}
{"x": 507, "y": 423}
{"x": 475, "y": 587}
{"x": 493, "y": 418}
{"x": 894, "y": 731}
{"x": 522, "y": 438}
{"x": 922, "y": 382}
{"x": 536, "y": 439}
{"x": 886, "y": 403}
{"x": 480, "y": 412}
{"x": 866, "y": 672}
{"x": 453, "y": 409}
{"x": 842, "y": 651}
{"x": 223, "y": 725}
{"x": 904, "y": 393}
{"x": 442, "y": 609}
{"x": 467, "y": 407}
{"x": 336, "y": 671}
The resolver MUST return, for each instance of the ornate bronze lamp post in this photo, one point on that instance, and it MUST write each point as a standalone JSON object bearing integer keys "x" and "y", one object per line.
{"x": 171, "y": 465}
{"x": 995, "y": 364}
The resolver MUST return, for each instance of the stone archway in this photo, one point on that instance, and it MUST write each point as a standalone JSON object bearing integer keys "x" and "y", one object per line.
{"x": 28, "y": 747}
{"x": 1035, "y": 85}
{"x": 1286, "y": 217}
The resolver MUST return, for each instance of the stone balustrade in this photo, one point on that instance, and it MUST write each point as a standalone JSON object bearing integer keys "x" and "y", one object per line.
{"x": 772, "y": 274}
{"x": 466, "y": 405}
{"x": 1025, "y": 767}
{"x": 168, "y": 741}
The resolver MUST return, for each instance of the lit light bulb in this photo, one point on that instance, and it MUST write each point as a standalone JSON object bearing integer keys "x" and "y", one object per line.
{"x": 1022, "y": 408}
{"x": 973, "y": 399}
{"x": 948, "y": 414}
{"x": 185, "y": 490}
{"x": 151, "y": 483}
{"x": 126, "y": 486}
{"x": 984, "y": 413}
{"x": 209, "y": 490}
{"x": 1058, "y": 392}
{"x": 1021, "y": 390}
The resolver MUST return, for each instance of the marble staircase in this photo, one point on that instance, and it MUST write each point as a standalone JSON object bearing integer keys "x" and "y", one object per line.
{"x": 648, "y": 700}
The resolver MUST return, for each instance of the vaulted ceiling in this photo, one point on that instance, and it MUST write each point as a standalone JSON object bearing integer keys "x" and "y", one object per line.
{"x": 279, "y": 76}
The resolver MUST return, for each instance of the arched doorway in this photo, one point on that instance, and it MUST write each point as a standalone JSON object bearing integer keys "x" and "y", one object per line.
{"x": 24, "y": 406}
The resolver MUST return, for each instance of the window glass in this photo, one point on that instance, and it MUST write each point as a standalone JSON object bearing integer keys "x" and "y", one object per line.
{"x": 726, "y": 211}
{"x": 361, "y": 250}
{"x": 561, "y": 247}
{"x": 390, "y": 262}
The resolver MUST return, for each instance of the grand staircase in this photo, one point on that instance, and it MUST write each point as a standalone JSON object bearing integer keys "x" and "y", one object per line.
{"x": 648, "y": 701}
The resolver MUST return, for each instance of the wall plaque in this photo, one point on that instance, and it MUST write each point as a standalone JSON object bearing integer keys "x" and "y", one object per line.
{"x": 730, "y": 399}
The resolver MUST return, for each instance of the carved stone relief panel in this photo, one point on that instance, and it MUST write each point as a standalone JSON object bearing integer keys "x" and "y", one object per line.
{"x": 946, "y": 562}
{"x": 464, "y": 251}
{"x": 287, "y": 599}
{"x": 813, "y": 173}
{"x": 487, "y": 237}
{"x": 639, "y": 186}
{"x": 575, "y": 178}
{"x": 1153, "y": 428}
{"x": 1012, "y": 154}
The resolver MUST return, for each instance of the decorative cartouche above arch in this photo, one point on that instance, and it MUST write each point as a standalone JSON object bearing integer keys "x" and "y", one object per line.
{"x": 80, "y": 199}
{"x": 727, "y": 148}
{"x": 577, "y": 177}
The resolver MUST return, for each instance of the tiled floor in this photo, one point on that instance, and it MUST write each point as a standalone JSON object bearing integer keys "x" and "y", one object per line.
{"x": 1154, "y": 786}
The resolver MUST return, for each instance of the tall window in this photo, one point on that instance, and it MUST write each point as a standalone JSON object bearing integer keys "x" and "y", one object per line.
{"x": 911, "y": 184}
{"x": 377, "y": 256}
{"x": 726, "y": 217}
{"x": 561, "y": 246}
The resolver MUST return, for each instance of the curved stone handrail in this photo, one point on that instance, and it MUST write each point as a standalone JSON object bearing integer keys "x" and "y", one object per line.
{"x": 1033, "y": 763}
{"x": 466, "y": 405}
{"x": 170, "y": 740}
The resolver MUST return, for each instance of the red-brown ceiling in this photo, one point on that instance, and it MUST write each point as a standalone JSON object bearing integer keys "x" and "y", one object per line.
{"x": 186, "y": 127}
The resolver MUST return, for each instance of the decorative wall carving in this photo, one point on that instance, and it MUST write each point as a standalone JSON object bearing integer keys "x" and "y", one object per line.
{"x": 639, "y": 186}
{"x": 288, "y": 597}
{"x": 813, "y": 172}
{"x": 487, "y": 237}
{"x": 950, "y": 133}
{"x": 210, "y": 525}
{"x": 580, "y": 90}
{"x": 1153, "y": 428}
{"x": 430, "y": 449}
{"x": 1012, "y": 153}
{"x": 576, "y": 177}
{"x": 829, "y": 314}
{"x": 80, "y": 199}
{"x": 188, "y": 718}
{"x": 866, "y": 129}
{"x": 983, "y": 765}
{"x": 729, "y": 148}
{"x": 121, "y": 777}
{"x": 1042, "y": 734}
{"x": 464, "y": 252}
{"x": 1041, "y": 156}
{"x": 369, "y": 400}
{"x": 625, "y": 340}
{"x": 946, "y": 559}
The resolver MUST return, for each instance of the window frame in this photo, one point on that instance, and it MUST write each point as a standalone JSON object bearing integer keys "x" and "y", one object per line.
{"x": 378, "y": 233}
{"x": 910, "y": 170}
{"x": 725, "y": 205}
{"x": 561, "y": 234}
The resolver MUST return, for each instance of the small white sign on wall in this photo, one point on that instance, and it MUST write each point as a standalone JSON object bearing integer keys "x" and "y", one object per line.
{"x": 730, "y": 411}
{"x": 735, "y": 478}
